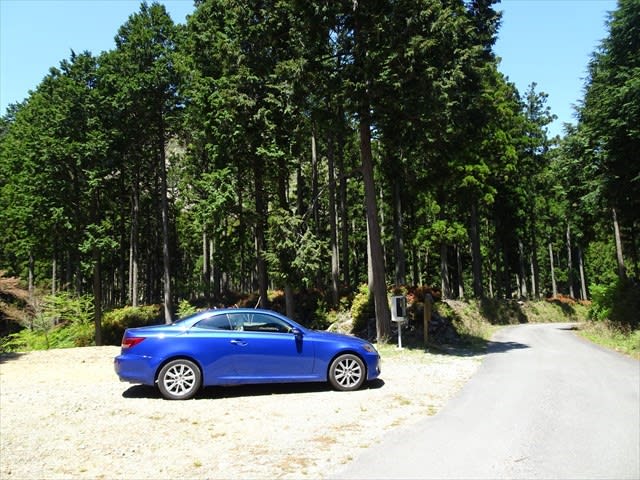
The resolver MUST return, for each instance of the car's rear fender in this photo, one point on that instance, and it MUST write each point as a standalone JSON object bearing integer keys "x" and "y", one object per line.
{"x": 179, "y": 357}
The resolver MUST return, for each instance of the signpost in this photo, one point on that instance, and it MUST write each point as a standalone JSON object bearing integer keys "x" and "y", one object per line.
{"x": 399, "y": 314}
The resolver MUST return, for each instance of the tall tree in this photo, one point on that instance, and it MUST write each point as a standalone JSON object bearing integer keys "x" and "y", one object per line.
{"x": 143, "y": 75}
{"x": 610, "y": 114}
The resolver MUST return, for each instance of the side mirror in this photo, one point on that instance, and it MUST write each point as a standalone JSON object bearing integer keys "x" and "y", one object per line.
{"x": 297, "y": 332}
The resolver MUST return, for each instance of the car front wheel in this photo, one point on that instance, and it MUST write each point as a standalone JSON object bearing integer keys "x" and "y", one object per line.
{"x": 179, "y": 380}
{"x": 347, "y": 372}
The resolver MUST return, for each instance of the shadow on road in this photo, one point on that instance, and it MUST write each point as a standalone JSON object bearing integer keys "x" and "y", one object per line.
{"x": 7, "y": 357}
{"x": 208, "y": 393}
{"x": 501, "y": 347}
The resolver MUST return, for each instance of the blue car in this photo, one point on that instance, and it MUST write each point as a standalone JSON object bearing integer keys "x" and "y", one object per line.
{"x": 241, "y": 346}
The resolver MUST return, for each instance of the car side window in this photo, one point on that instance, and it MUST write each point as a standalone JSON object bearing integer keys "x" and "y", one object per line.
{"x": 258, "y": 322}
{"x": 215, "y": 322}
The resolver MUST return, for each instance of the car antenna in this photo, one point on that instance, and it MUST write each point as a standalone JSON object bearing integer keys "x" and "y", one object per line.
{"x": 258, "y": 302}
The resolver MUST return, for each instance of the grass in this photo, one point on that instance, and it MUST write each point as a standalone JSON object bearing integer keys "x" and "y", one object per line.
{"x": 609, "y": 336}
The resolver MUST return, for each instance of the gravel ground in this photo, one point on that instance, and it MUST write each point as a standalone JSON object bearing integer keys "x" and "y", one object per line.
{"x": 64, "y": 415}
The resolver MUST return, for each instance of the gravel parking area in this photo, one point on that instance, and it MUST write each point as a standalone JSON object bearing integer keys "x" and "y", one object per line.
{"x": 64, "y": 414}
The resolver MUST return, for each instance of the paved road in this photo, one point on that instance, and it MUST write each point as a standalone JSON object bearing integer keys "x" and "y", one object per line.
{"x": 544, "y": 404}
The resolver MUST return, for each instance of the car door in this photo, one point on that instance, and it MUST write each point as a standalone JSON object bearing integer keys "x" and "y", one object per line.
{"x": 211, "y": 345}
{"x": 267, "y": 351}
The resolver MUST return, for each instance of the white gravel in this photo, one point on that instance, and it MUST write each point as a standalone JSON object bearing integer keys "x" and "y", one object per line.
{"x": 65, "y": 415}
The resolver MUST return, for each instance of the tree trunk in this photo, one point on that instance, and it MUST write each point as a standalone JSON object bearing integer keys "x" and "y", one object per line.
{"x": 415, "y": 272}
{"x": 289, "y": 300}
{"x": 476, "y": 255}
{"x": 369, "y": 262}
{"x": 583, "y": 283}
{"x": 460, "y": 278}
{"x": 383, "y": 314}
{"x": 445, "y": 285}
{"x": 97, "y": 296}
{"x": 206, "y": 265}
{"x": 344, "y": 219}
{"x": 53, "y": 275}
{"x": 31, "y": 275}
{"x": 314, "y": 185}
{"x": 534, "y": 282}
{"x": 524, "y": 293}
{"x": 215, "y": 270}
{"x": 569, "y": 262}
{"x": 622, "y": 272}
{"x": 554, "y": 286}
{"x": 133, "y": 245}
{"x": 260, "y": 240}
{"x": 335, "y": 258}
{"x": 164, "y": 203}
{"x": 398, "y": 243}
{"x": 535, "y": 269}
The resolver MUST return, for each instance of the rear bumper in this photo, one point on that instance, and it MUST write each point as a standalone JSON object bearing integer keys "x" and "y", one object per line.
{"x": 134, "y": 369}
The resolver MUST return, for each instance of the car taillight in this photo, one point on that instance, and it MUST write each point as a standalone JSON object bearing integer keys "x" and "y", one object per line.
{"x": 128, "y": 342}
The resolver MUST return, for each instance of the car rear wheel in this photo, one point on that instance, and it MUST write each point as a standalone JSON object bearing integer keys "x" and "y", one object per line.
{"x": 179, "y": 379}
{"x": 347, "y": 372}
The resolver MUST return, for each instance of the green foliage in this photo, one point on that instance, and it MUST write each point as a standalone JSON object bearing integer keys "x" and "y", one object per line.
{"x": 617, "y": 302}
{"x": 362, "y": 309}
{"x": 234, "y": 98}
{"x": 610, "y": 114}
{"x": 295, "y": 254}
{"x": 185, "y": 309}
{"x": 61, "y": 321}
{"x": 115, "y": 322}
{"x": 600, "y": 259}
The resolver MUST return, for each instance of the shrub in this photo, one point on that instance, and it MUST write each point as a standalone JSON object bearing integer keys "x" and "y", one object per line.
{"x": 60, "y": 321}
{"x": 618, "y": 302}
{"x": 185, "y": 309}
{"x": 362, "y": 309}
{"x": 116, "y": 321}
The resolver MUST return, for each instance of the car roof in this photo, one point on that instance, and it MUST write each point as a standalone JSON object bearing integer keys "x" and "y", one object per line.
{"x": 196, "y": 317}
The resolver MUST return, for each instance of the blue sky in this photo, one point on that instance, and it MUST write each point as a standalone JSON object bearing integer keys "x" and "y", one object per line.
{"x": 544, "y": 41}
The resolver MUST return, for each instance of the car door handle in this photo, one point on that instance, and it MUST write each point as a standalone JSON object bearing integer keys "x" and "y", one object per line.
{"x": 242, "y": 343}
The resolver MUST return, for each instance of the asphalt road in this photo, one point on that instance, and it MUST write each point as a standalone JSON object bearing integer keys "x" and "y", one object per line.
{"x": 544, "y": 404}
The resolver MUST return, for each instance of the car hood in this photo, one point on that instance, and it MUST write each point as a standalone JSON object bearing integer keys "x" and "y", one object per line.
{"x": 338, "y": 336}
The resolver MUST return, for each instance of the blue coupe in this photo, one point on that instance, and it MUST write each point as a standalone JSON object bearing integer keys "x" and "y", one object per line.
{"x": 241, "y": 346}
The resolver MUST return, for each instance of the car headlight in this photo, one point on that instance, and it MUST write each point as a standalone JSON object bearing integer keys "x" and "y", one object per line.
{"x": 369, "y": 348}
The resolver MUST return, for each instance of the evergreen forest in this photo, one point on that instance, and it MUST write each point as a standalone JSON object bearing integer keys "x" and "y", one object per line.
{"x": 287, "y": 152}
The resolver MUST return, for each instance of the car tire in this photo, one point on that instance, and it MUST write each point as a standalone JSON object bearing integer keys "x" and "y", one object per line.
{"x": 179, "y": 379}
{"x": 347, "y": 372}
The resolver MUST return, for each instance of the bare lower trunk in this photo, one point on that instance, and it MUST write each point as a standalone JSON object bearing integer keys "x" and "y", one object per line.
{"x": 398, "y": 244}
{"x": 476, "y": 255}
{"x": 523, "y": 274}
{"x": 460, "y": 279}
{"x": 333, "y": 227}
{"x": 97, "y": 297}
{"x": 383, "y": 313}
{"x": 444, "y": 272}
{"x": 554, "y": 286}
{"x": 569, "y": 262}
{"x": 583, "y": 283}
{"x": 289, "y": 301}
{"x": 622, "y": 272}
{"x": 206, "y": 266}
{"x": 53, "y": 275}
{"x": 166, "y": 262}
{"x": 31, "y": 275}
{"x": 260, "y": 240}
